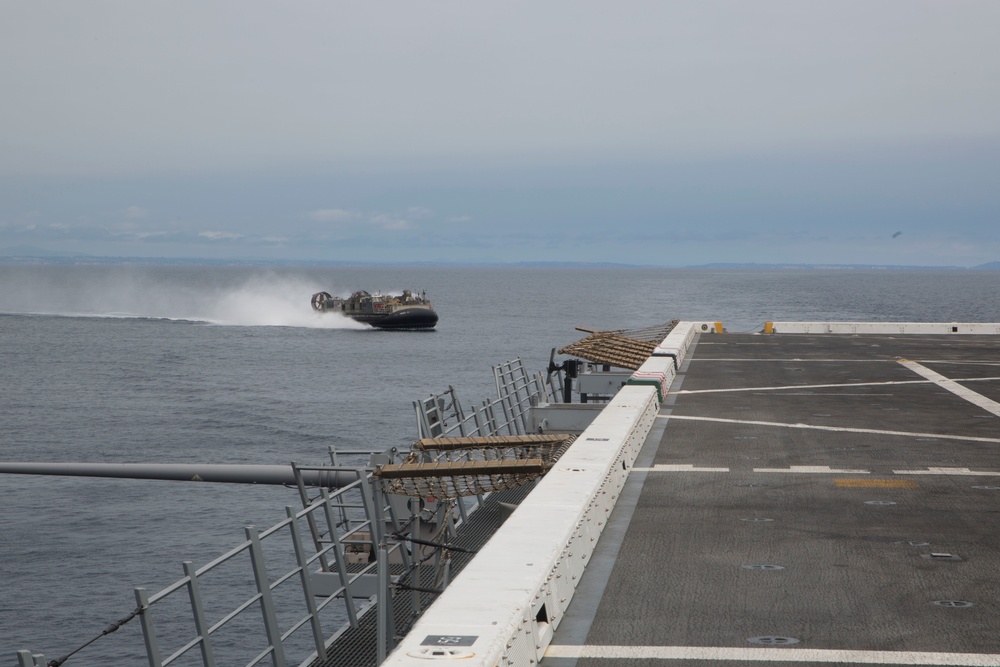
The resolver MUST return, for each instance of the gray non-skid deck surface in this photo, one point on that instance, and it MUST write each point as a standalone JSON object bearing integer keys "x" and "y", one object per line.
{"x": 854, "y": 574}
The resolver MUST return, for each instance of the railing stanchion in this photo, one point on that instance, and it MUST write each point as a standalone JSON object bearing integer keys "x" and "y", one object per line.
{"x": 307, "y": 590}
{"x": 338, "y": 551}
{"x": 198, "y": 611}
{"x": 148, "y": 629}
{"x": 271, "y": 626}
{"x": 384, "y": 621}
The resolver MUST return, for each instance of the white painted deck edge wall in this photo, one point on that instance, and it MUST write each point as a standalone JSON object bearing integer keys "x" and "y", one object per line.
{"x": 505, "y": 605}
{"x": 885, "y": 327}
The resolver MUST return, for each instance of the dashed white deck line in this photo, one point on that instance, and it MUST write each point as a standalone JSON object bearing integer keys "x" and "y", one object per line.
{"x": 838, "y": 385}
{"x": 836, "y": 429}
{"x": 783, "y": 654}
{"x": 949, "y": 471}
{"x": 973, "y": 397}
{"x": 679, "y": 467}
{"x": 815, "y": 470}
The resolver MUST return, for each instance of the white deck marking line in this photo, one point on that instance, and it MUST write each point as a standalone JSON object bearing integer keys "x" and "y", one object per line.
{"x": 975, "y": 398}
{"x": 783, "y": 654}
{"x": 840, "y": 429}
{"x": 834, "y": 393}
{"x": 815, "y": 470}
{"x": 678, "y": 467}
{"x": 956, "y": 362}
{"x": 948, "y": 471}
{"x": 794, "y": 360}
{"x": 829, "y": 386}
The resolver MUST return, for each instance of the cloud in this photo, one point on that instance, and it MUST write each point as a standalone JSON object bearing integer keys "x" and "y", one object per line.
{"x": 418, "y": 213}
{"x": 133, "y": 212}
{"x": 389, "y": 221}
{"x": 330, "y": 215}
{"x": 386, "y": 220}
{"x": 220, "y": 236}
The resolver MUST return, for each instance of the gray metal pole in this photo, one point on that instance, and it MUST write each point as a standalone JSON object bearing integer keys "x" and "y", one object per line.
{"x": 186, "y": 472}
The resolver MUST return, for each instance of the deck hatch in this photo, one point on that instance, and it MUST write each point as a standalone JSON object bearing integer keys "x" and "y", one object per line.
{"x": 876, "y": 483}
{"x": 954, "y": 604}
{"x": 772, "y": 640}
{"x": 449, "y": 640}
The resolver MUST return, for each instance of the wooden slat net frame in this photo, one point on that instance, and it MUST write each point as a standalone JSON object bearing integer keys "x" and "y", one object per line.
{"x": 496, "y": 447}
{"x": 624, "y": 348}
{"x": 502, "y": 462}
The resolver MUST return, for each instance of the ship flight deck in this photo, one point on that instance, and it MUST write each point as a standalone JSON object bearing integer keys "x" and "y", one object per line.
{"x": 800, "y": 498}
{"x": 816, "y": 493}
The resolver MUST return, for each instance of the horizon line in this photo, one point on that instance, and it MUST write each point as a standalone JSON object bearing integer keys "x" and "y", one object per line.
{"x": 25, "y": 259}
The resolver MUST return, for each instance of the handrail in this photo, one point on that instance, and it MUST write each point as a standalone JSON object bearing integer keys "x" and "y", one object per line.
{"x": 324, "y": 509}
{"x": 325, "y": 534}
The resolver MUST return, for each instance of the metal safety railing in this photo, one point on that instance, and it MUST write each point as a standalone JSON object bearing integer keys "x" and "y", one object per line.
{"x": 441, "y": 415}
{"x": 274, "y": 598}
{"x": 322, "y": 570}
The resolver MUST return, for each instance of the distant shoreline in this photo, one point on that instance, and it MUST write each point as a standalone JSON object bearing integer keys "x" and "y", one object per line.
{"x": 88, "y": 260}
{"x": 27, "y": 260}
{"x": 24, "y": 260}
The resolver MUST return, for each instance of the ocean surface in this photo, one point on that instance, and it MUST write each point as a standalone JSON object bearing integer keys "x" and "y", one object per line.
{"x": 230, "y": 365}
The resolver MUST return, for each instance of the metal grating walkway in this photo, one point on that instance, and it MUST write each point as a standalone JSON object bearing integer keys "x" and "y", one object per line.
{"x": 357, "y": 646}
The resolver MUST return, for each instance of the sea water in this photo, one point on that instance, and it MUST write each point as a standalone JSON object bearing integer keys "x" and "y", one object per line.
{"x": 230, "y": 365}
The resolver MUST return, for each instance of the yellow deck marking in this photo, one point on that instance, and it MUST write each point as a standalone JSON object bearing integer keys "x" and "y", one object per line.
{"x": 877, "y": 483}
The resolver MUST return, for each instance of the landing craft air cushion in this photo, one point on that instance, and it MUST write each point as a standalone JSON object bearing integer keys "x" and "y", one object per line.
{"x": 384, "y": 311}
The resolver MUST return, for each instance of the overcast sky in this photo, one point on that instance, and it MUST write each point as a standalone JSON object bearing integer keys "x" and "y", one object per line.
{"x": 662, "y": 132}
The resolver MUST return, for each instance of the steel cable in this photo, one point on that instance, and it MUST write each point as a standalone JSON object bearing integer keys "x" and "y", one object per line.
{"x": 107, "y": 631}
